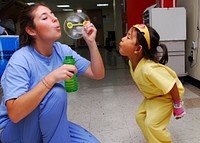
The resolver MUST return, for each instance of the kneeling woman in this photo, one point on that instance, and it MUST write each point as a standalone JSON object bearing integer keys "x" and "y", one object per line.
{"x": 34, "y": 105}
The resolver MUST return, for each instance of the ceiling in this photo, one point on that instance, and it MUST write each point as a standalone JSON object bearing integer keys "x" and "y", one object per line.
{"x": 10, "y": 9}
{"x": 75, "y": 4}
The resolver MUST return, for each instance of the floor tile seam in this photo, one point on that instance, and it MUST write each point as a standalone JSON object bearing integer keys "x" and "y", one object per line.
{"x": 108, "y": 130}
{"x": 129, "y": 131}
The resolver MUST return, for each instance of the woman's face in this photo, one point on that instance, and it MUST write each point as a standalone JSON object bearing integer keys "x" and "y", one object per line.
{"x": 47, "y": 26}
{"x": 128, "y": 43}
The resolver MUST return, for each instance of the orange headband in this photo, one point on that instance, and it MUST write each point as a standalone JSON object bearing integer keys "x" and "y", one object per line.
{"x": 143, "y": 28}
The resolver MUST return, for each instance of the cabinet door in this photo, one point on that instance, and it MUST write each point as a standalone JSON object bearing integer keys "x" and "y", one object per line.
{"x": 170, "y": 23}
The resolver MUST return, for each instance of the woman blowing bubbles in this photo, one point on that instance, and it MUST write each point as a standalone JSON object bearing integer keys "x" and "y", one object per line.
{"x": 34, "y": 105}
{"x": 160, "y": 86}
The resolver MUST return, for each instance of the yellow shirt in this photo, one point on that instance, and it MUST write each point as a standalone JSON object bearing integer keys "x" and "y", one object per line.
{"x": 154, "y": 79}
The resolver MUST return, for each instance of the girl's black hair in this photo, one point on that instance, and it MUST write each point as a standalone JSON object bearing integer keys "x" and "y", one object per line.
{"x": 152, "y": 53}
{"x": 26, "y": 20}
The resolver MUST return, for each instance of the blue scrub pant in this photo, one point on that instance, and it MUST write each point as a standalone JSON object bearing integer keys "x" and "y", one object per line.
{"x": 47, "y": 123}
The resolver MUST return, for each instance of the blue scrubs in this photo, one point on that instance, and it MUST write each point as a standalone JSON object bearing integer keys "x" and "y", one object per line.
{"x": 48, "y": 122}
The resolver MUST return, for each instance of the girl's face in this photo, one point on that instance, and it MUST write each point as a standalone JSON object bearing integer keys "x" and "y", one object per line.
{"x": 47, "y": 26}
{"x": 128, "y": 43}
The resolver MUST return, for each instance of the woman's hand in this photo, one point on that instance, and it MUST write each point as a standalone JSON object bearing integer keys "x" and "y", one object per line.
{"x": 66, "y": 71}
{"x": 96, "y": 69}
{"x": 89, "y": 32}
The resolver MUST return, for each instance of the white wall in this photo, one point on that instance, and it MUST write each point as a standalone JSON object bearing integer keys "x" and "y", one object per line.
{"x": 193, "y": 20}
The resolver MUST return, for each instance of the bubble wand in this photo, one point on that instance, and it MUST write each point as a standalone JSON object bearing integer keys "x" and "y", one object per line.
{"x": 74, "y": 24}
{"x": 71, "y": 25}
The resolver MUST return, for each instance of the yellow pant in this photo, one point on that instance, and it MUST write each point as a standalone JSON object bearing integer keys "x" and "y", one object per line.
{"x": 153, "y": 117}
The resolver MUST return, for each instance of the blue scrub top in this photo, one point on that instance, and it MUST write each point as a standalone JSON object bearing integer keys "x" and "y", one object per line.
{"x": 27, "y": 67}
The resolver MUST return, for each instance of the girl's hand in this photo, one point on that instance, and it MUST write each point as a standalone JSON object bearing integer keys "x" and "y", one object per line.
{"x": 65, "y": 71}
{"x": 178, "y": 109}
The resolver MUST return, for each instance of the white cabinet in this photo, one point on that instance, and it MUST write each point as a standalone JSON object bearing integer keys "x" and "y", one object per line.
{"x": 176, "y": 53}
{"x": 170, "y": 23}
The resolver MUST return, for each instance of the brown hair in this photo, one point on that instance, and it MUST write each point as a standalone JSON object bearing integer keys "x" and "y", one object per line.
{"x": 26, "y": 19}
{"x": 153, "y": 53}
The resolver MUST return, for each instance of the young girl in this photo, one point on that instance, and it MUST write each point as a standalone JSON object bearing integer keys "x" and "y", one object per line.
{"x": 160, "y": 86}
{"x": 34, "y": 105}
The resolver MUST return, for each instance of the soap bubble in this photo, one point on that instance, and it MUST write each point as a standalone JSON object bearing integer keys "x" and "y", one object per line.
{"x": 73, "y": 24}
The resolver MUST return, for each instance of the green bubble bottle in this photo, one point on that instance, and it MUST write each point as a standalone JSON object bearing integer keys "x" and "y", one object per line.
{"x": 71, "y": 85}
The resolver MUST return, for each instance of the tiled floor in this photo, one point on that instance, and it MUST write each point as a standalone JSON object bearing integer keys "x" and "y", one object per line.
{"x": 107, "y": 107}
